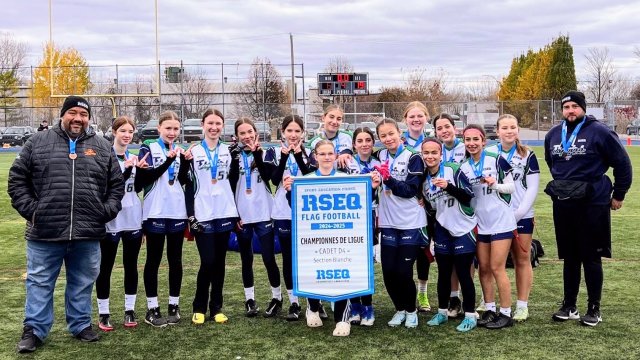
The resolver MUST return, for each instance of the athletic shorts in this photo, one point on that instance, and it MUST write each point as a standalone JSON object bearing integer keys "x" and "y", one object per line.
{"x": 446, "y": 244}
{"x": 260, "y": 228}
{"x": 218, "y": 225}
{"x": 488, "y": 238}
{"x": 124, "y": 235}
{"x": 164, "y": 226}
{"x": 396, "y": 237}
{"x": 525, "y": 226}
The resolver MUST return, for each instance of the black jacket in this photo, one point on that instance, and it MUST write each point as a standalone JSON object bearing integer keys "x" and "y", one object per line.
{"x": 64, "y": 199}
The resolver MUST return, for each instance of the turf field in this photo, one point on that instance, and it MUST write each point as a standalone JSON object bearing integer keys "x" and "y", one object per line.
{"x": 617, "y": 337}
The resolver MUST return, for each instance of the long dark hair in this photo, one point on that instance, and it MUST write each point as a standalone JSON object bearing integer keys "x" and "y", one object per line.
{"x": 360, "y": 130}
{"x": 298, "y": 120}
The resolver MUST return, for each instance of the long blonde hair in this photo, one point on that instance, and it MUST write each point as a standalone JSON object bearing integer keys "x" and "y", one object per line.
{"x": 521, "y": 149}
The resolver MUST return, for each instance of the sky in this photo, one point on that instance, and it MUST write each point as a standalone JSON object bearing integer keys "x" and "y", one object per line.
{"x": 466, "y": 40}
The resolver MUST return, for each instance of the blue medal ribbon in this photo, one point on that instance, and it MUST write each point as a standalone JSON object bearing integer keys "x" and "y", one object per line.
{"x": 566, "y": 143}
{"x": 407, "y": 137}
{"x": 335, "y": 140}
{"x": 72, "y": 146}
{"x": 398, "y": 152}
{"x": 214, "y": 162}
{"x": 509, "y": 154}
{"x": 477, "y": 168}
{"x": 247, "y": 169}
{"x": 172, "y": 168}
{"x": 318, "y": 173}
{"x": 367, "y": 168}
{"x": 444, "y": 151}
{"x": 440, "y": 175}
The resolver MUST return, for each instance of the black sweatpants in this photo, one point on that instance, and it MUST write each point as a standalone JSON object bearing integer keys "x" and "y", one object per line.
{"x": 462, "y": 264}
{"x": 212, "y": 249}
{"x": 130, "y": 249}
{"x": 397, "y": 271}
{"x": 155, "y": 247}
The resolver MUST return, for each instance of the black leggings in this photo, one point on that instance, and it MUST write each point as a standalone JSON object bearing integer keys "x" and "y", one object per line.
{"x": 268, "y": 258}
{"x": 212, "y": 249}
{"x": 461, "y": 263}
{"x": 593, "y": 277}
{"x": 155, "y": 246}
{"x": 287, "y": 259}
{"x": 422, "y": 264}
{"x": 365, "y": 300}
{"x": 397, "y": 271}
{"x": 341, "y": 310}
{"x": 130, "y": 250}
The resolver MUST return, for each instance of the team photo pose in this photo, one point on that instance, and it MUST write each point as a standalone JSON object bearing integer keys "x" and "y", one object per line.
{"x": 492, "y": 183}
{"x": 249, "y": 179}
{"x": 400, "y": 220}
{"x": 331, "y": 121}
{"x": 448, "y": 197}
{"x": 212, "y": 215}
{"x": 163, "y": 216}
{"x": 526, "y": 177}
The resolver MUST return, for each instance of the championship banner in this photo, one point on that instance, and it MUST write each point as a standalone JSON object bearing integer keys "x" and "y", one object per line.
{"x": 332, "y": 237}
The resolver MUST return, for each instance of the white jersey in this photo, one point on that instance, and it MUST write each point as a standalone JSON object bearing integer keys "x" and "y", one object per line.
{"x": 281, "y": 209}
{"x": 492, "y": 208}
{"x": 415, "y": 144}
{"x": 355, "y": 166}
{"x": 521, "y": 167}
{"x": 253, "y": 206}
{"x": 213, "y": 199}
{"x": 400, "y": 212}
{"x": 342, "y": 141}
{"x": 458, "y": 219}
{"x": 130, "y": 217}
{"x": 162, "y": 200}
{"x": 457, "y": 154}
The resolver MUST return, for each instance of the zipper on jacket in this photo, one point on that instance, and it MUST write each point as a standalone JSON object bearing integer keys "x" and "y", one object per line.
{"x": 73, "y": 192}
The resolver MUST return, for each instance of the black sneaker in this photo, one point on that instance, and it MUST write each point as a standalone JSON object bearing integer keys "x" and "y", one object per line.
{"x": 592, "y": 318}
{"x": 173, "y": 316}
{"x": 28, "y": 341}
{"x": 273, "y": 308}
{"x": 487, "y": 317}
{"x": 566, "y": 312}
{"x": 104, "y": 323}
{"x": 154, "y": 318}
{"x": 455, "y": 307}
{"x": 88, "y": 335}
{"x": 251, "y": 308}
{"x": 322, "y": 313}
{"x": 294, "y": 312}
{"x": 130, "y": 319}
{"x": 500, "y": 322}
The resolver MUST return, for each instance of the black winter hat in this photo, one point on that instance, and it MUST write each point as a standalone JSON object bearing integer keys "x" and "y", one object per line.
{"x": 73, "y": 101}
{"x": 577, "y": 97}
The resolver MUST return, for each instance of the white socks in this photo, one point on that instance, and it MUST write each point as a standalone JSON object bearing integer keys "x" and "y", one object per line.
{"x": 249, "y": 293}
{"x": 174, "y": 300}
{"x": 129, "y": 302}
{"x": 522, "y": 304}
{"x": 490, "y": 306}
{"x": 292, "y": 298}
{"x": 505, "y": 311}
{"x": 422, "y": 286}
{"x": 455, "y": 294}
{"x": 276, "y": 293}
{"x": 103, "y": 306}
{"x": 152, "y": 302}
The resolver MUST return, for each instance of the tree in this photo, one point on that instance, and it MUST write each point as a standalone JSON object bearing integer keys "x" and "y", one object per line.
{"x": 70, "y": 74}
{"x": 600, "y": 74}
{"x": 12, "y": 55}
{"x": 197, "y": 92}
{"x": 339, "y": 64}
{"x": 562, "y": 73}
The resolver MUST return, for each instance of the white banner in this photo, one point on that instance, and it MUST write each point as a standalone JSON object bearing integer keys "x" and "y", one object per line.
{"x": 332, "y": 236}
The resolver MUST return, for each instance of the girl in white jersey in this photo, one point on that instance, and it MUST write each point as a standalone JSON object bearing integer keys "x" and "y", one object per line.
{"x": 126, "y": 226}
{"x": 212, "y": 215}
{"x": 289, "y": 159}
{"x": 400, "y": 220}
{"x": 331, "y": 121}
{"x": 416, "y": 116}
{"x": 526, "y": 175}
{"x": 164, "y": 216}
{"x": 249, "y": 177}
{"x": 448, "y": 195}
{"x": 453, "y": 151}
{"x": 492, "y": 183}
{"x": 363, "y": 163}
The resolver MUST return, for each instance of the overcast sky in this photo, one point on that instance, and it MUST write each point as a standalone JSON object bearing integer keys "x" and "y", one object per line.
{"x": 469, "y": 40}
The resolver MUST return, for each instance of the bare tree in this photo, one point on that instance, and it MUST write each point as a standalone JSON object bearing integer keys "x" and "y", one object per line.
{"x": 600, "y": 74}
{"x": 197, "y": 91}
{"x": 12, "y": 56}
{"x": 339, "y": 64}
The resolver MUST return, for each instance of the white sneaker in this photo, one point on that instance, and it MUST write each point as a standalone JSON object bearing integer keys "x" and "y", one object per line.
{"x": 411, "y": 320}
{"x": 398, "y": 318}
{"x": 313, "y": 318}
{"x": 482, "y": 307}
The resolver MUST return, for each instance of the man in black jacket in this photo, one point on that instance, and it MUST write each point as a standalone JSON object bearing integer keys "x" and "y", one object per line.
{"x": 67, "y": 184}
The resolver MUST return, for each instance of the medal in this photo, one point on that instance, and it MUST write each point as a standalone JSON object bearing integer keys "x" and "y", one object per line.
{"x": 248, "y": 191}
{"x": 73, "y": 156}
{"x": 171, "y": 182}
{"x": 212, "y": 161}
{"x": 72, "y": 149}
{"x": 387, "y": 192}
{"x": 214, "y": 181}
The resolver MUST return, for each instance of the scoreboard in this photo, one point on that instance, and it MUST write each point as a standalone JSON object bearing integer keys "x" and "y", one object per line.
{"x": 343, "y": 84}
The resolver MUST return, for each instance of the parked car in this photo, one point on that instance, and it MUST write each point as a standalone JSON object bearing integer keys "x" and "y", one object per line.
{"x": 149, "y": 131}
{"x": 313, "y": 129}
{"x": 264, "y": 131}
{"x": 2, "y": 129}
{"x": 192, "y": 130}
{"x": 228, "y": 132}
{"x": 17, "y": 135}
{"x": 634, "y": 127}
{"x": 459, "y": 128}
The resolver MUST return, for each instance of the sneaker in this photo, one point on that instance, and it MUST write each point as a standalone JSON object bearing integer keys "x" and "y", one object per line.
{"x": 251, "y": 308}
{"x": 423, "y": 302}
{"x": 104, "y": 323}
{"x": 455, "y": 307}
{"x": 487, "y": 317}
{"x": 198, "y": 318}
{"x": 482, "y": 307}
{"x": 130, "y": 319}
{"x": 313, "y": 318}
{"x": 469, "y": 323}
{"x": 294, "y": 312}
{"x": 273, "y": 308}
{"x": 500, "y": 321}
{"x": 367, "y": 318}
{"x": 87, "y": 335}
{"x": 566, "y": 312}
{"x": 398, "y": 318}
{"x": 521, "y": 314}
{"x": 411, "y": 321}
{"x": 154, "y": 318}
{"x": 28, "y": 341}
{"x": 322, "y": 313}
{"x": 592, "y": 318}
{"x": 173, "y": 316}
{"x": 220, "y": 318}
{"x": 354, "y": 318}
{"x": 438, "y": 319}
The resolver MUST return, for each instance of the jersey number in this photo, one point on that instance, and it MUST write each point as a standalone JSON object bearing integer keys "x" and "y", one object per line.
{"x": 130, "y": 187}
{"x": 487, "y": 190}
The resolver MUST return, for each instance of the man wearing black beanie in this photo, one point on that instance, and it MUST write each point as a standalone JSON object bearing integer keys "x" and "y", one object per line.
{"x": 579, "y": 152}
{"x": 67, "y": 184}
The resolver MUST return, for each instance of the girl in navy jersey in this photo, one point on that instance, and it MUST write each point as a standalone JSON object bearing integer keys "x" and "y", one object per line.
{"x": 331, "y": 121}
{"x": 363, "y": 163}
{"x": 526, "y": 175}
{"x": 288, "y": 159}
{"x": 212, "y": 215}
{"x": 164, "y": 216}
{"x": 448, "y": 197}
{"x": 416, "y": 116}
{"x": 492, "y": 183}
{"x": 249, "y": 178}
{"x": 400, "y": 220}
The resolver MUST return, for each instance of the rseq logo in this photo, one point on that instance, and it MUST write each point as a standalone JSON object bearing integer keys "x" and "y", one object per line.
{"x": 332, "y": 274}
